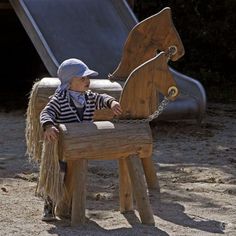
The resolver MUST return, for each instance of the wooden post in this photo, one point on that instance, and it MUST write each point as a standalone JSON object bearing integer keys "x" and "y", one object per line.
{"x": 125, "y": 188}
{"x": 140, "y": 191}
{"x": 79, "y": 192}
{"x": 150, "y": 173}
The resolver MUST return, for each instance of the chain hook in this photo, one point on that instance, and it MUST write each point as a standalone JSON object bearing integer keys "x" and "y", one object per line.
{"x": 172, "y": 50}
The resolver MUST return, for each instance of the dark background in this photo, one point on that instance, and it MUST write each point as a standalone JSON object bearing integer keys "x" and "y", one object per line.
{"x": 207, "y": 29}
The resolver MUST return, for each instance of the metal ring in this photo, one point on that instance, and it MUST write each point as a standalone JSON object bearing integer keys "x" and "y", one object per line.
{"x": 173, "y": 91}
{"x": 172, "y": 50}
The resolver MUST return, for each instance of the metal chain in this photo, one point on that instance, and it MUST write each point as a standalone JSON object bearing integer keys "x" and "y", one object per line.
{"x": 153, "y": 116}
{"x": 159, "y": 110}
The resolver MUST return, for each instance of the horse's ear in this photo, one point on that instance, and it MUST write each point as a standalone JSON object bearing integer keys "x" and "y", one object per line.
{"x": 139, "y": 96}
{"x": 154, "y": 34}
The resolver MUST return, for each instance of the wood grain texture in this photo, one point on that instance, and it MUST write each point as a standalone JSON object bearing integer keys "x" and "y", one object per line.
{"x": 79, "y": 192}
{"x": 139, "y": 96}
{"x": 125, "y": 188}
{"x": 155, "y": 33}
{"x": 104, "y": 140}
{"x": 150, "y": 173}
{"x": 140, "y": 190}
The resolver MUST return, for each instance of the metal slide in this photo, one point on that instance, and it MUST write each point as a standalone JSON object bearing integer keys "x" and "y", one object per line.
{"x": 95, "y": 32}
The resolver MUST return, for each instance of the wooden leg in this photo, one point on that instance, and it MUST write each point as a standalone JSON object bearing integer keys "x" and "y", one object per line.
{"x": 150, "y": 173}
{"x": 140, "y": 191}
{"x": 126, "y": 196}
{"x": 79, "y": 192}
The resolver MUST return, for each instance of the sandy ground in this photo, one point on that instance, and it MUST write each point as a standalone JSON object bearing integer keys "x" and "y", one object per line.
{"x": 196, "y": 167}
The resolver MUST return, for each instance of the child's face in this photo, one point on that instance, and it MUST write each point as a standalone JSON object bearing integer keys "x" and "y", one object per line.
{"x": 79, "y": 84}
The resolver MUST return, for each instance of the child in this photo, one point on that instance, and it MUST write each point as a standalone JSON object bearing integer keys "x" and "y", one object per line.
{"x": 72, "y": 102}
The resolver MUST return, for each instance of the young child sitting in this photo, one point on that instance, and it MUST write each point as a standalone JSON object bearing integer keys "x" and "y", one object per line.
{"x": 72, "y": 102}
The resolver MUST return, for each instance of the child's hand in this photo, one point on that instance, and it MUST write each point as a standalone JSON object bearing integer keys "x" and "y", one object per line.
{"x": 51, "y": 133}
{"x": 116, "y": 108}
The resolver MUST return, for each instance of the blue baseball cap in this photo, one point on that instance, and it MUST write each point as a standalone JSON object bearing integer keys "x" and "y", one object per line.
{"x": 73, "y": 68}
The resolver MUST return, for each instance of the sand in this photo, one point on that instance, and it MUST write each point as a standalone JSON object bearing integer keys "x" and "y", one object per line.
{"x": 196, "y": 168}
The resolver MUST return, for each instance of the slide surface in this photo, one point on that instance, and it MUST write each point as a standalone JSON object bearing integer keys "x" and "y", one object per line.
{"x": 95, "y": 31}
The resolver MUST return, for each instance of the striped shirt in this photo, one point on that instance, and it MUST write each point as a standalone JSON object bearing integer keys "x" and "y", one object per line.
{"x": 60, "y": 108}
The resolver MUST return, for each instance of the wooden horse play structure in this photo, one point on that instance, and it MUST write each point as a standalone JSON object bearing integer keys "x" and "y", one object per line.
{"x": 154, "y": 34}
{"x": 127, "y": 142}
{"x": 145, "y": 73}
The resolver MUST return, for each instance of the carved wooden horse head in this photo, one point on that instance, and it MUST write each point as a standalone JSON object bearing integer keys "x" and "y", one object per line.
{"x": 139, "y": 96}
{"x": 154, "y": 34}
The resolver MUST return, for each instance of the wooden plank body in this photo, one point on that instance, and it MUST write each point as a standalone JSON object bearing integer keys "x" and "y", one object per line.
{"x": 105, "y": 140}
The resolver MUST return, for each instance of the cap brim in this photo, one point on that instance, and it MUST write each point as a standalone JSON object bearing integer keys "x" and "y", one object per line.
{"x": 90, "y": 73}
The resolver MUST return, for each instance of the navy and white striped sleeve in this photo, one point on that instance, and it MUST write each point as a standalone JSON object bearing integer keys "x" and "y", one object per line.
{"x": 103, "y": 100}
{"x": 50, "y": 112}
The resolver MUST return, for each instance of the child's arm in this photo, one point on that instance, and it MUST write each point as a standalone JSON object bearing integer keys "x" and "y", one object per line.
{"x": 47, "y": 119}
{"x": 107, "y": 101}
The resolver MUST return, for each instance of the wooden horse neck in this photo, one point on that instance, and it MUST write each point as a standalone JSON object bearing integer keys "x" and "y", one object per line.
{"x": 139, "y": 96}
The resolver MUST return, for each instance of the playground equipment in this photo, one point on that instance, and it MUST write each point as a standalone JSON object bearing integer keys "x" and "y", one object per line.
{"x": 127, "y": 139}
{"x": 96, "y": 34}
{"x": 130, "y": 143}
{"x": 140, "y": 76}
{"x": 142, "y": 44}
